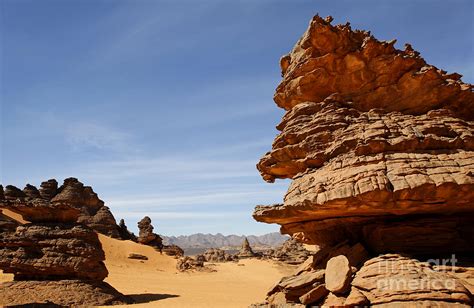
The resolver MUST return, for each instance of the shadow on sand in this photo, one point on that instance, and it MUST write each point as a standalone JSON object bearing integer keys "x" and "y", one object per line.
{"x": 149, "y": 297}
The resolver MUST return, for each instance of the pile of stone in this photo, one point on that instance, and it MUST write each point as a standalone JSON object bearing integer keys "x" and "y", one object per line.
{"x": 189, "y": 264}
{"x": 57, "y": 257}
{"x": 291, "y": 252}
{"x": 217, "y": 255}
{"x": 379, "y": 146}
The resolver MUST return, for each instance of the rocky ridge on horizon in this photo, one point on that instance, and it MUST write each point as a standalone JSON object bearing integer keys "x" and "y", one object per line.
{"x": 201, "y": 240}
{"x": 379, "y": 146}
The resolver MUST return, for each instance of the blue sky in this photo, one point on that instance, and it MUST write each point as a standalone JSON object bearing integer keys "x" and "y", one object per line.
{"x": 164, "y": 107}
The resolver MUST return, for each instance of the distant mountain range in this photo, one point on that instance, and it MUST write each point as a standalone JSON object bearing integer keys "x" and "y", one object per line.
{"x": 218, "y": 240}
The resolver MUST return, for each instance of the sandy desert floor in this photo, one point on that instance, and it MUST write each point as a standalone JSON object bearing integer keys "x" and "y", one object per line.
{"x": 157, "y": 283}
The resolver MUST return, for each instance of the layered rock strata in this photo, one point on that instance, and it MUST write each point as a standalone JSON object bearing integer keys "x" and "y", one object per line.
{"x": 72, "y": 199}
{"x": 379, "y": 146}
{"x": 52, "y": 253}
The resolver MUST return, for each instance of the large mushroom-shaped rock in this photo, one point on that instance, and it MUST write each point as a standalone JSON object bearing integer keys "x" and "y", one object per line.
{"x": 371, "y": 134}
{"x": 379, "y": 148}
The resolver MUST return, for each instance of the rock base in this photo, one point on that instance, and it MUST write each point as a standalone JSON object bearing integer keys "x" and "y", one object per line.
{"x": 61, "y": 292}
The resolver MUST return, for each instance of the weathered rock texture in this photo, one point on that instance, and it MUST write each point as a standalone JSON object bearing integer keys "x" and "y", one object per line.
{"x": 72, "y": 199}
{"x": 52, "y": 251}
{"x": 291, "y": 252}
{"x": 189, "y": 264}
{"x": 172, "y": 250}
{"x": 56, "y": 257}
{"x": 217, "y": 255}
{"x": 59, "y": 293}
{"x": 146, "y": 235}
{"x": 379, "y": 146}
{"x": 246, "y": 251}
{"x": 125, "y": 234}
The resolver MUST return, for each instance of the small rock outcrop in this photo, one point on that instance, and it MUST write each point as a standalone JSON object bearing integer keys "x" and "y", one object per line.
{"x": 137, "y": 256}
{"x": 189, "y": 264}
{"x": 124, "y": 233}
{"x": 379, "y": 147}
{"x": 291, "y": 252}
{"x": 246, "y": 251}
{"x": 218, "y": 255}
{"x": 172, "y": 250}
{"x": 146, "y": 235}
{"x": 54, "y": 252}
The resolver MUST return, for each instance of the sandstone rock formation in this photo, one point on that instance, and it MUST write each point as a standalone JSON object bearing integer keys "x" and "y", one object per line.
{"x": 291, "y": 252}
{"x": 379, "y": 146}
{"x": 124, "y": 233}
{"x": 52, "y": 253}
{"x": 218, "y": 255}
{"x": 72, "y": 199}
{"x": 188, "y": 264}
{"x": 146, "y": 235}
{"x": 246, "y": 251}
{"x": 172, "y": 250}
{"x": 59, "y": 293}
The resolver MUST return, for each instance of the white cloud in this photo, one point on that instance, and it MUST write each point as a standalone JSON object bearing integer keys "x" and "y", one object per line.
{"x": 156, "y": 215}
{"x": 80, "y": 135}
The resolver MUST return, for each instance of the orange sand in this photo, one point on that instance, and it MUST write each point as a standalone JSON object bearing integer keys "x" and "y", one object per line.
{"x": 157, "y": 283}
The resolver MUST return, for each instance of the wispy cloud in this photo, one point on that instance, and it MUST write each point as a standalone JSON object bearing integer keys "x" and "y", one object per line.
{"x": 219, "y": 196}
{"x": 81, "y": 135}
{"x": 180, "y": 215}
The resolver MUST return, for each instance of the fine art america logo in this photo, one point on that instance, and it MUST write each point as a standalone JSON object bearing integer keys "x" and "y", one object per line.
{"x": 421, "y": 276}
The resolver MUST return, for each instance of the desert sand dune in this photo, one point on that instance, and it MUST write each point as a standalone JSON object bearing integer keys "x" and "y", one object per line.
{"x": 157, "y": 283}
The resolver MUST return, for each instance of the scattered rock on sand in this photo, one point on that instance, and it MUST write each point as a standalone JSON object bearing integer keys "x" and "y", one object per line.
{"x": 137, "y": 256}
{"x": 189, "y": 263}
{"x": 218, "y": 255}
